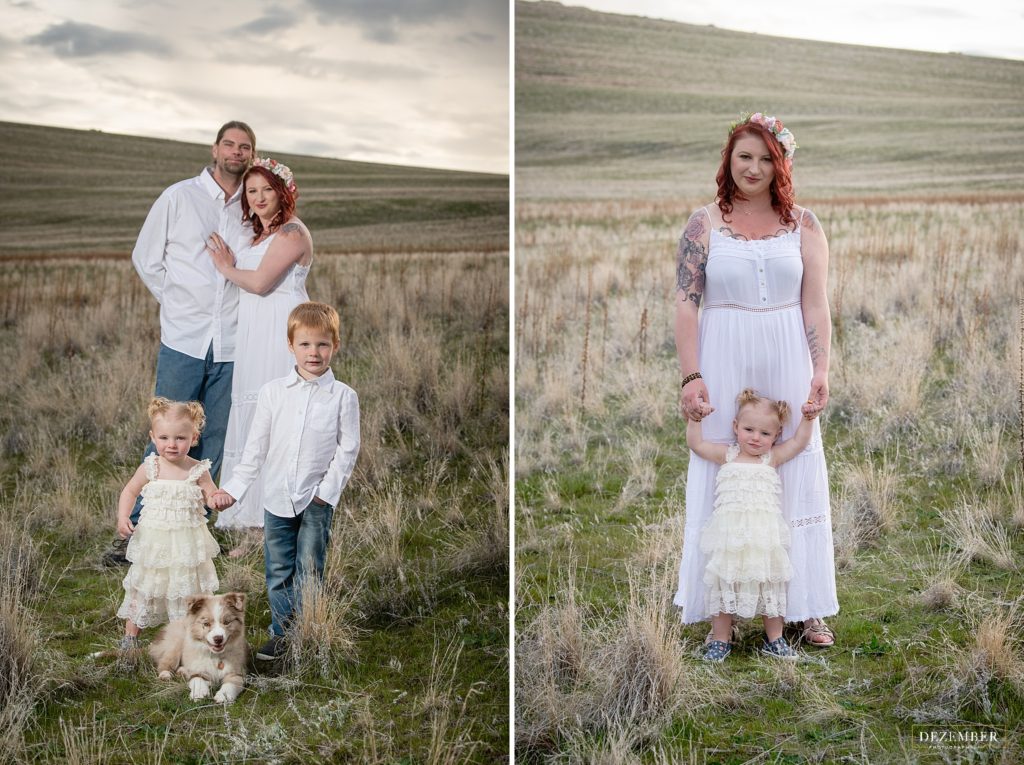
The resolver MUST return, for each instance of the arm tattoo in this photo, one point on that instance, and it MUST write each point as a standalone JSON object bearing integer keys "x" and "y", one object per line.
{"x": 814, "y": 344}
{"x": 288, "y": 228}
{"x": 691, "y": 257}
{"x": 810, "y": 220}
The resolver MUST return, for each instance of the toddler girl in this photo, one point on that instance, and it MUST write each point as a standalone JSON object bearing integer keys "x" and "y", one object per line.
{"x": 746, "y": 538}
{"x": 171, "y": 549}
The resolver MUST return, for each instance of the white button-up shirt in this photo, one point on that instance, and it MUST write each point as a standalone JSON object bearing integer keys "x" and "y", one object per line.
{"x": 303, "y": 440}
{"x": 198, "y": 306}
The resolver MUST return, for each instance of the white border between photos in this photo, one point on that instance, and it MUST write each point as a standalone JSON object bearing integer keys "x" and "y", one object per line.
{"x": 511, "y": 383}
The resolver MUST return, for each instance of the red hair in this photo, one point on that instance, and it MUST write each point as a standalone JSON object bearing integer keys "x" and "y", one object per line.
{"x": 781, "y": 188}
{"x": 284, "y": 197}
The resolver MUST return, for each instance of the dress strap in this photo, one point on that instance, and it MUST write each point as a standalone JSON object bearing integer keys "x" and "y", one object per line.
{"x": 731, "y": 452}
{"x": 152, "y": 463}
{"x": 766, "y": 459}
{"x": 198, "y": 469}
{"x": 708, "y": 213}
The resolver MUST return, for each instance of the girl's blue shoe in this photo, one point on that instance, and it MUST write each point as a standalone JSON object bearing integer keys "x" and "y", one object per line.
{"x": 716, "y": 650}
{"x": 778, "y": 648}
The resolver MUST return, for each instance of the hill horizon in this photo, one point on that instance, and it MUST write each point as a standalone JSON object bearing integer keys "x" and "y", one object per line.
{"x": 612, "y": 106}
{"x": 51, "y": 176}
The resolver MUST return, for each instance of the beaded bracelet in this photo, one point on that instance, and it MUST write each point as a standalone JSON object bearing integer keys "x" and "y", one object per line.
{"x": 690, "y": 378}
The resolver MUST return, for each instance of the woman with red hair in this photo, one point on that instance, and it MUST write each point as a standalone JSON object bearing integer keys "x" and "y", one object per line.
{"x": 271, "y": 274}
{"x": 756, "y": 265}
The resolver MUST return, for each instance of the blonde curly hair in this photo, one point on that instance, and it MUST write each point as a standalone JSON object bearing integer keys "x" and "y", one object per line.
{"x": 749, "y": 396}
{"x": 164, "y": 407}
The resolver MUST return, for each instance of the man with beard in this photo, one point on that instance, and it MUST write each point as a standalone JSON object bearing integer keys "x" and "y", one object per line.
{"x": 198, "y": 307}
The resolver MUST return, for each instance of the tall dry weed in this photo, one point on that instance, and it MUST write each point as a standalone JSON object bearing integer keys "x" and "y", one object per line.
{"x": 324, "y": 632}
{"x": 22, "y": 664}
{"x": 552, "y": 658}
{"x": 969, "y": 527}
{"x": 643, "y": 663}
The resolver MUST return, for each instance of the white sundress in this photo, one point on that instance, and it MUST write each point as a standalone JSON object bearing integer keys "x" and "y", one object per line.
{"x": 261, "y": 355}
{"x": 751, "y": 335}
{"x": 171, "y": 550}
{"x": 745, "y": 541}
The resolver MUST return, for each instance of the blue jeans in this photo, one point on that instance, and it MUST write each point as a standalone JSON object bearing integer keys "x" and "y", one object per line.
{"x": 181, "y": 377}
{"x": 293, "y": 548}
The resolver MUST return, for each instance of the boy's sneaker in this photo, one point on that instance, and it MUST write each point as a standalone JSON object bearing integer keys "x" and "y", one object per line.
{"x": 779, "y": 649}
{"x": 273, "y": 649}
{"x": 115, "y": 556}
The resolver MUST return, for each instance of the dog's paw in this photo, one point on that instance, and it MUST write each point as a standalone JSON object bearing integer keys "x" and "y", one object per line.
{"x": 198, "y": 689}
{"x": 227, "y": 693}
{"x": 165, "y": 675}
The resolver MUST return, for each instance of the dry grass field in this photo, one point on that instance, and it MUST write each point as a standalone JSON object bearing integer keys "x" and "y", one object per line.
{"x": 619, "y": 124}
{"x": 402, "y": 656}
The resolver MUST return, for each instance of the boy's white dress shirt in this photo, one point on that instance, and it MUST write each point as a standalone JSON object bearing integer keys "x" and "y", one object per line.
{"x": 198, "y": 306}
{"x": 303, "y": 440}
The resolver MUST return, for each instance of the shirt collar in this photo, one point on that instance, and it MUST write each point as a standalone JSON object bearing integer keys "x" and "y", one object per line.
{"x": 323, "y": 381}
{"x": 210, "y": 185}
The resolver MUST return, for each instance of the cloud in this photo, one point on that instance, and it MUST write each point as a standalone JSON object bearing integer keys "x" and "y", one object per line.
{"x": 381, "y": 20}
{"x": 275, "y": 19}
{"x": 74, "y": 40}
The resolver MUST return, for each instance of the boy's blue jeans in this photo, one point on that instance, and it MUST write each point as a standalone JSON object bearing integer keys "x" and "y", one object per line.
{"x": 293, "y": 548}
{"x": 181, "y": 377}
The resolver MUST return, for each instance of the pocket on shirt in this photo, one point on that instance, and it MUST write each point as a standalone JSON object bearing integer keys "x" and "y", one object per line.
{"x": 323, "y": 418}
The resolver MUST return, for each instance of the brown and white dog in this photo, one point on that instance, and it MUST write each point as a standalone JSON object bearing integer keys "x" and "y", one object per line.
{"x": 207, "y": 645}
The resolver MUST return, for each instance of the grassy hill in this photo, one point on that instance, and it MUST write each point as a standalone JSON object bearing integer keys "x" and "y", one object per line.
{"x": 611, "y": 106}
{"x": 85, "y": 192}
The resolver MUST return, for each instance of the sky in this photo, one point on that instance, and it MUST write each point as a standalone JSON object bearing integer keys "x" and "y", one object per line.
{"x": 407, "y": 82}
{"x": 977, "y": 27}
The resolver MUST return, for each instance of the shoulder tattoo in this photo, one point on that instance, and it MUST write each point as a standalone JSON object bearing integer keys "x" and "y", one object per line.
{"x": 810, "y": 221}
{"x": 691, "y": 258}
{"x": 290, "y": 228}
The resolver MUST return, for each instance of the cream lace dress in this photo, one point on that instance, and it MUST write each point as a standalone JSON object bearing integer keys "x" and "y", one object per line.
{"x": 745, "y": 541}
{"x": 171, "y": 550}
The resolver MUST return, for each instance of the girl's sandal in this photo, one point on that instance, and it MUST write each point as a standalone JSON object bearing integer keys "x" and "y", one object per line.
{"x": 818, "y": 628}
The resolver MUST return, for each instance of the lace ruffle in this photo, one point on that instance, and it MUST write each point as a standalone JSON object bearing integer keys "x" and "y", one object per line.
{"x": 746, "y": 600}
{"x": 735, "y": 531}
{"x": 146, "y": 611}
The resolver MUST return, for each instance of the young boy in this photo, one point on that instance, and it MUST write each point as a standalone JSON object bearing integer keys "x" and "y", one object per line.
{"x": 304, "y": 440}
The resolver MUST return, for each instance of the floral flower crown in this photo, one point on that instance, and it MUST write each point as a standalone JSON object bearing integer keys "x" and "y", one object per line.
{"x": 772, "y": 125}
{"x": 281, "y": 171}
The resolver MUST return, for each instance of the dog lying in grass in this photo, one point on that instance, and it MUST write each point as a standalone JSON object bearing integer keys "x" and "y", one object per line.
{"x": 206, "y": 646}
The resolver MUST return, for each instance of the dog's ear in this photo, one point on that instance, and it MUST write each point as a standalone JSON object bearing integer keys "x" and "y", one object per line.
{"x": 236, "y": 600}
{"x": 194, "y": 603}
